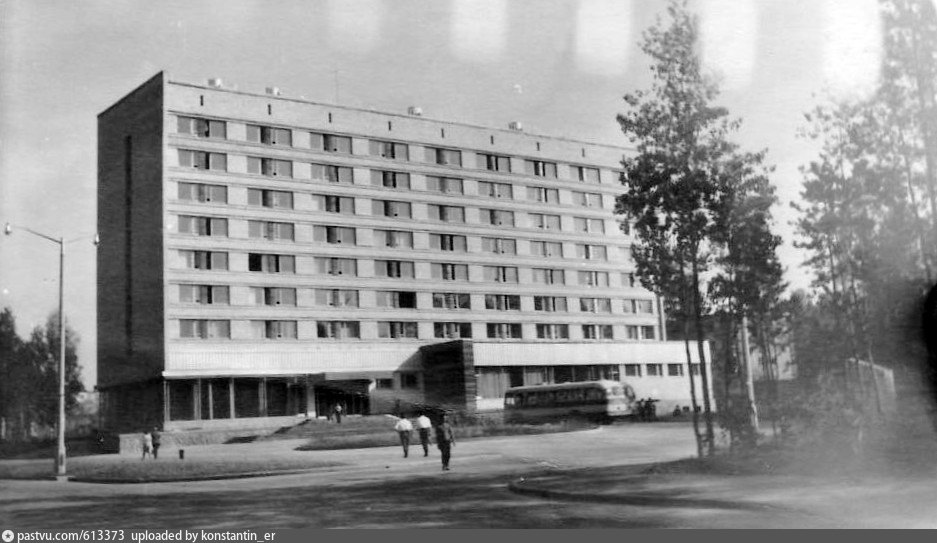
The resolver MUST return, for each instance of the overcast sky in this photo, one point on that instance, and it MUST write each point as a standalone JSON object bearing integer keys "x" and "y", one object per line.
{"x": 559, "y": 66}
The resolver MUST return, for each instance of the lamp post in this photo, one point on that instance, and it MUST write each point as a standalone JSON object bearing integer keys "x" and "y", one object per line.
{"x": 60, "y": 452}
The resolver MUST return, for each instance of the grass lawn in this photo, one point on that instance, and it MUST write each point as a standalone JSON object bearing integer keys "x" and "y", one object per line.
{"x": 388, "y": 438}
{"x": 113, "y": 468}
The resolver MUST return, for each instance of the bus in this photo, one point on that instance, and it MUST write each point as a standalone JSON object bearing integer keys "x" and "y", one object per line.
{"x": 599, "y": 400}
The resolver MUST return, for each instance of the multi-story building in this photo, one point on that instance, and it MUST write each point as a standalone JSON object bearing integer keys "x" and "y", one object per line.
{"x": 264, "y": 256}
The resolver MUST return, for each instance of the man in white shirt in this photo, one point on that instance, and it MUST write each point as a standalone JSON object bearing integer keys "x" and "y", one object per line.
{"x": 403, "y": 428}
{"x": 423, "y": 425}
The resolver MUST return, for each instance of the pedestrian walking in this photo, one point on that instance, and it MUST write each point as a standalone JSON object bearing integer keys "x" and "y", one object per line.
{"x": 155, "y": 438}
{"x": 146, "y": 443}
{"x": 403, "y": 428}
{"x": 423, "y": 425}
{"x": 338, "y": 413}
{"x": 445, "y": 440}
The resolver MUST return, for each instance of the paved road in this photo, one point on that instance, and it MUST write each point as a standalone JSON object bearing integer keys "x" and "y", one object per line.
{"x": 376, "y": 488}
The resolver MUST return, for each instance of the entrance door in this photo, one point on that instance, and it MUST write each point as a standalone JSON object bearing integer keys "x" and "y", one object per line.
{"x": 352, "y": 395}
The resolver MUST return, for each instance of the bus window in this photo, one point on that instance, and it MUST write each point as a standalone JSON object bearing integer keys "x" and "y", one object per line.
{"x": 616, "y": 391}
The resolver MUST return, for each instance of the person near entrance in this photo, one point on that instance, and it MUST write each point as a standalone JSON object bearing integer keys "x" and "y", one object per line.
{"x": 337, "y": 411}
{"x": 155, "y": 438}
{"x": 445, "y": 440}
{"x": 403, "y": 428}
{"x": 423, "y": 425}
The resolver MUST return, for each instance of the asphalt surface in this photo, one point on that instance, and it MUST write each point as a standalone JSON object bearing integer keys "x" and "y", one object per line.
{"x": 583, "y": 479}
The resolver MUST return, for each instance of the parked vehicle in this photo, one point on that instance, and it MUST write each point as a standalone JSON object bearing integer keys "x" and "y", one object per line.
{"x": 598, "y": 400}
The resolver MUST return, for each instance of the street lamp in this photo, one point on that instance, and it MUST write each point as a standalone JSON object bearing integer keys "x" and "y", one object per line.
{"x": 60, "y": 454}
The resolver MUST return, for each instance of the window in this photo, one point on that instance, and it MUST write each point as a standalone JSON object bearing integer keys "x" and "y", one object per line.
{"x": 449, "y": 272}
{"x": 199, "y": 192}
{"x": 595, "y": 305}
{"x": 540, "y": 194}
{"x": 393, "y": 268}
{"x": 546, "y": 248}
{"x": 549, "y": 303}
{"x": 337, "y": 297}
{"x": 274, "y": 329}
{"x": 591, "y": 252}
{"x": 495, "y": 190}
{"x": 204, "y": 260}
{"x": 494, "y": 163}
{"x": 628, "y": 279}
{"x": 448, "y": 242}
{"x": 445, "y": 157}
{"x": 203, "y": 160}
{"x": 540, "y": 168}
{"x": 390, "y": 208}
{"x": 279, "y": 231}
{"x": 597, "y": 331}
{"x": 451, "y": 300}
{"x": 330, "y": 143}
{"x": 268, "y": 263}
{"x": 501, "y": 246}
{"x": 500, "y": 274}
{"x": 396, "y": 299}
{"x": 452, "y": 330}
{"x": 203, "y": 226}
{"x": 593, "y": 278}
{"x": 270, "y": 198}
{"x": 445, "y": 213}
{"x": 586, "y": 175}
{"x": 674, "y": 370}
{"x": 498, "y": 217}
{"x": 589, "y": 226}
{"x": 395, "y": 238}
{"x": 504, "y": 330}
{"x": 396, "y": 329}
{"x": 334, "y": 234}
{"x": 332, "y": 174}
{"x": 409, "y": 380}
{"x": 548, "y": 276}
{"x": 337, "y": 266}
{"x": 628, "y": 306}
{"x": 338, "y": 329}
{"x": 588, "y": 199}
{"x": 204, "y": 329}
{"x": 631, "y": 332}
{"x": 270, "y": 167}
{"x": 647, "y": 332}
{"x": 204, "y": 294}
{"x": 390, "y": 180}
{"x": 203, "y": 128}
{"x": 694, "y": 370}
{"x": 655, "y": 370}
{"x": 389, "y": 149}
{"x": 503, "y": 302}
{"x": 632, "y": 370}
{"x": 447, "y": 185}
{"x": 384, "y": 383}
{"x": 644, "y": 306}
{"x": 544, "y": 222}
{"x": 552, "y": 331}
{"x": 269, "y": 135}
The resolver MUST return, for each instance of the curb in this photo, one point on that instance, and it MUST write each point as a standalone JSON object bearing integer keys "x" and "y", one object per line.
{"x": 197, "y": 478}
{"x": 522, "y": 487}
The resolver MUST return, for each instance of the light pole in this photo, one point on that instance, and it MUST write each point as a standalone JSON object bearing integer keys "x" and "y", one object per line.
{"x": 60, "y": 452}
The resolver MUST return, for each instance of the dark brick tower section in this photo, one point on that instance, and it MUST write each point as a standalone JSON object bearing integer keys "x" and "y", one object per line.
{"x": 131, "y": 336}
{"x": 449, "y": 375}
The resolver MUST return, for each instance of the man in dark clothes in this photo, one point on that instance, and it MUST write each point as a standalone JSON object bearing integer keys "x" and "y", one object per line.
{"x": 445, "y": 440}
{"x": 156, "y": 437}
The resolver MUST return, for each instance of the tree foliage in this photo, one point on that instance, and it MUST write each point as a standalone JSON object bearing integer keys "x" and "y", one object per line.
{"x": 29, "y": 375}
{"x": 697, "y": 203}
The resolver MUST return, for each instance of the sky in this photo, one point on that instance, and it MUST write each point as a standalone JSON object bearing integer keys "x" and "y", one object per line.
{"x": 560, "y": 67}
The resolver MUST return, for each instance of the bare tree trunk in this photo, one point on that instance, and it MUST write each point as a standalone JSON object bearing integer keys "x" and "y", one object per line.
{"x": 685, "y": 319}
{"x": 707, "y": 407}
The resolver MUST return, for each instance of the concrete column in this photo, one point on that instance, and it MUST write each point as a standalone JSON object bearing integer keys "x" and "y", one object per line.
{"x": 197, "y": 399}
{"x": 166, "y": 400}
{"x": 310, "y": 398}
{"x": 231, "y": 398}
{"x": 211, "y": 400}
{"x": 262, "y": 397}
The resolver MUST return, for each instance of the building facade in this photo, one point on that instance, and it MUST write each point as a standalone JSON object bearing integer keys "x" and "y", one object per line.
{"x": 264, "y": 257}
